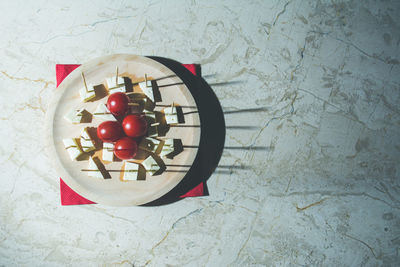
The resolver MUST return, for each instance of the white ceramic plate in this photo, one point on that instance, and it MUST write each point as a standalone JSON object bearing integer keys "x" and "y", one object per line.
{"x": 114, "y": 191}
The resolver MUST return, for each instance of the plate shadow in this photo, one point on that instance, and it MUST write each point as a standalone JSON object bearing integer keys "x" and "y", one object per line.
{"x": 212, "y": 136}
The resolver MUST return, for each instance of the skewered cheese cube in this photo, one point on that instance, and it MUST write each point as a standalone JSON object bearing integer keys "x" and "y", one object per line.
{"x": 96, "y": 169}
{"x": 86, "y": 142}
{"x": 113, "y": 83}
{"x": 75, "y": 116}
{"x": 151, "y": 165}
{"x": 168, "y": 147}
{"x": 150, "y": 144}
{"x": 171, "y": 115}
{"x": 87, "y": 93}
{"x": 147, "y": 89}
{"x": 72, "y": 148}
{"x": 103, "y": 113}
{"x": 116, "y": 85}
{"x": 93, "y": 169}
{"x": 131, "y": 171}
{"x": 108, "y": 154}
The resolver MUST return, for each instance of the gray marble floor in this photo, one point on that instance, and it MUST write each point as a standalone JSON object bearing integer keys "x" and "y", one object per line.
{"x": 316, "y": 181}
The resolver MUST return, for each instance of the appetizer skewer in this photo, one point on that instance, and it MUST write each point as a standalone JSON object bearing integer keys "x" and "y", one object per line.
{"x": 103, "y": 113}
{"x": 171, "y": 114}
{"x": 151, "y": 165}
{"x": 108, "y": 154}
{"x": 116, "y": 84}
{"x": 87, "y": 93}
{"x": 76, "y": 116}
{"x": 97, "y": 168}
{"x": 73, "y": 148}
{"x": 147, "y": 88}
{"x": 86, "y": 142}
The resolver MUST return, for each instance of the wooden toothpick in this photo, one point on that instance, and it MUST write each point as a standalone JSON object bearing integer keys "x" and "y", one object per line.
{"x": 88, "y": 170}
{"x": 84, "y": 82}
{"x": 102, "y": 113}
{"x": 145, "y": 79}
{"x": 116, "y": 78}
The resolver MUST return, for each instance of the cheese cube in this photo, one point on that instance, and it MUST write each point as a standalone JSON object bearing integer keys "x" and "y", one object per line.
{"x": 131, "y": 171}
{"x": 167, "y": 148}
{"x": 151, "y": 165}
{"x": 171, "y": 115}
{"x": 171, "y": 119}
{"x": 93, "y": 169}
{"x": 96, "y": 169}
{"x": 114, "y": 83}
{"x": 150, "y": 144}
{"x": 103, "y": 113}
{"x": 88, "y": 93}
{"x": 86, "y": 142}
{"x": 108, "y": 151}
{"x": 72, "y": 147}
{"x": 147, "y": 89}
{"x": 75, "y": 116}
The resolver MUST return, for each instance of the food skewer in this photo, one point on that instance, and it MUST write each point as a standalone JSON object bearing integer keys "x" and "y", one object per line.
{"x": 116, "y": 83}
{"x": 89, "y": 170}
{"x": 145, "y": 82}
{"x": 166, "y": 106}
{"x": 116, "y": 77}
{"x": 109, "y": 113}
{"x": 87, "y": 93}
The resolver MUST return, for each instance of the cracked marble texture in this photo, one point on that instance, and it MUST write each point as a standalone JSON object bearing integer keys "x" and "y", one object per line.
{"x": 312, "y": 181}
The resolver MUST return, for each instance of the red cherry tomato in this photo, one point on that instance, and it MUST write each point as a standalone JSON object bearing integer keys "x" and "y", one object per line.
{"x": 117, "y": 103}
{"x": 134, "y": 125}
{"x": 109, "y": 131}
{"x": 125, "y": 148}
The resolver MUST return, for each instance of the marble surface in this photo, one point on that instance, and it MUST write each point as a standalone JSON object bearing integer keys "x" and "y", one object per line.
{"x": 312, "y": 181}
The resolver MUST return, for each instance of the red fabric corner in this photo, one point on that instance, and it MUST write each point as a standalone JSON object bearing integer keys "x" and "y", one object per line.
{"x": 62, "y": 71}
{"x": 197, "y": 191}
{"x": 193, "y": 68}
{"x": 69, "y": 196}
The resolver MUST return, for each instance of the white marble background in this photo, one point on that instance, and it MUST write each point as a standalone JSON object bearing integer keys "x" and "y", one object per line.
{"x": 324, "y": 193}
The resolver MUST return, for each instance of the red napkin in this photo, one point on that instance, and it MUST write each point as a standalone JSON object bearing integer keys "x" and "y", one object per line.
{"x": 69, "y": 196}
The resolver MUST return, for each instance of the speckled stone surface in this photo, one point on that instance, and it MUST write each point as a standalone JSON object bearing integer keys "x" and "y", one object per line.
{"x": 312, "y": 180}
